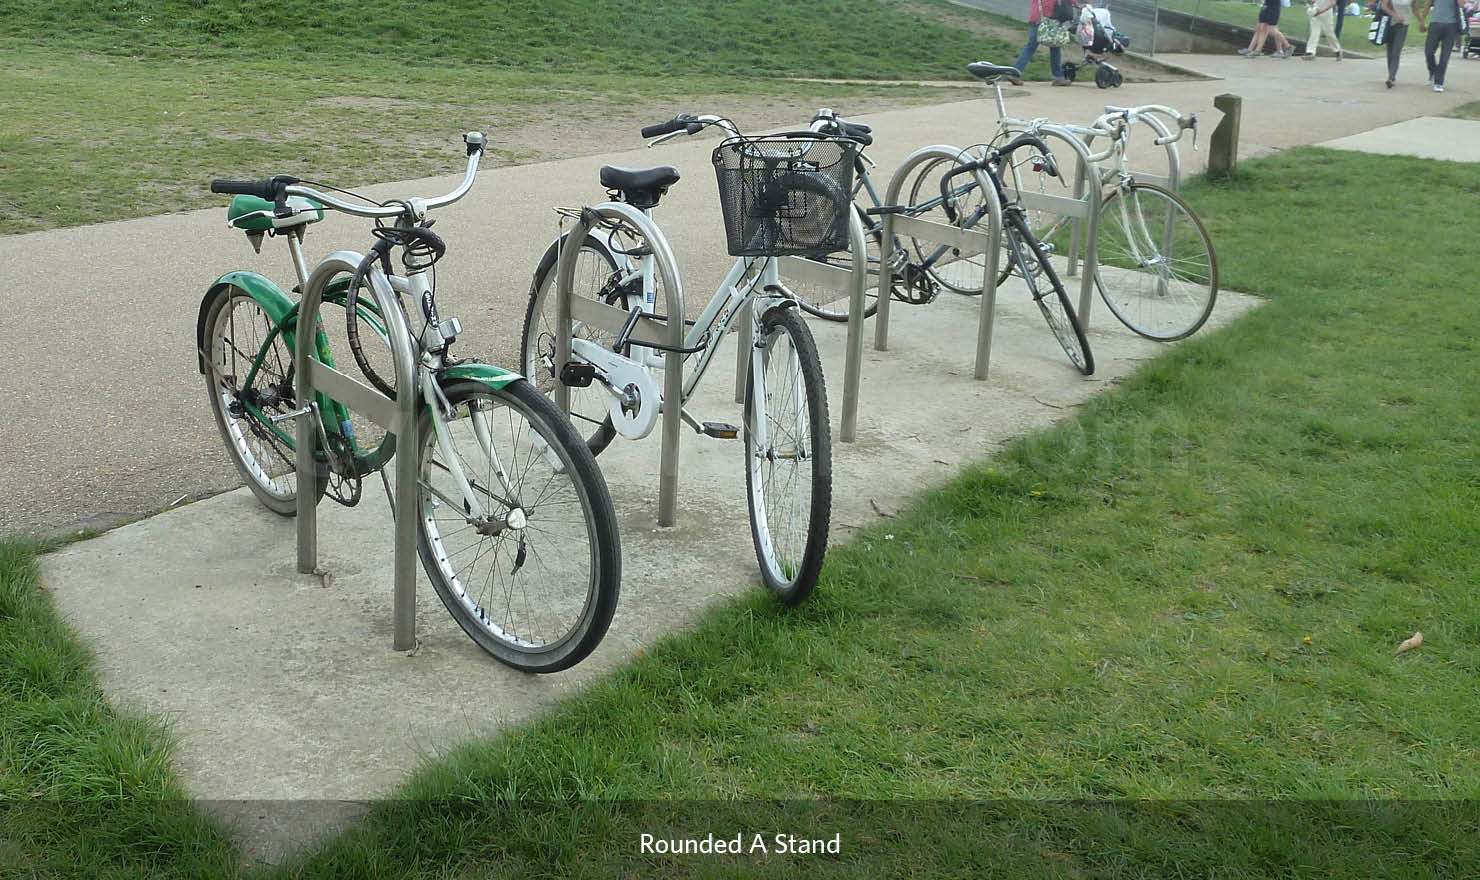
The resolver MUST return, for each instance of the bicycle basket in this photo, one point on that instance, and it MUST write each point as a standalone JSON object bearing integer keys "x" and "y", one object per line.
{"x": 785, "y": 195}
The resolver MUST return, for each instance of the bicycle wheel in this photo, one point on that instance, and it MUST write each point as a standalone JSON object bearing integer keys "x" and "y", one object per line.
{"x": 1047, "y": 291}
{"x": 595, "y": 277}
{"x": 236, "y": 329}
{"x": 1028, "y": 173}
{"x": 788, "y": 456}
{"x": 1157, "y": 271}
{"x": 830, "y": 304}
{"x": 535, "y": 583}
{"x": 963, "y": 274}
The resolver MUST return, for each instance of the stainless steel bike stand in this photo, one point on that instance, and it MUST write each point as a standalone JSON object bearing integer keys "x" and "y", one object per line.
{"x": 318, "y": 382}
{"x": 968, "y": 242}
{"x": 852, "y": 281}
{"x": 668, "y": 333}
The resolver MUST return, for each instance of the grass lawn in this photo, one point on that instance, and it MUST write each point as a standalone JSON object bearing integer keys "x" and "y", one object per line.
{"x": 1294, "y": 23}
{"x": 128, "y": 109}
{"x": 1157, "y": 640}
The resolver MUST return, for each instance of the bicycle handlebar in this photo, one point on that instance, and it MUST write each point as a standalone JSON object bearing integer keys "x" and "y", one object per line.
{"x": 686, "y": 123}
{"x": 277, "y": 189}
{"x": 1183, "y": 123}
{"x": 1026, "y": 139}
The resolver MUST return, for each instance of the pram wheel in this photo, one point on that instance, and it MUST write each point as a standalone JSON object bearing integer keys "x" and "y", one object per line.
{"x": 1106, "y": 76}
{"x": 1071, "y": 70}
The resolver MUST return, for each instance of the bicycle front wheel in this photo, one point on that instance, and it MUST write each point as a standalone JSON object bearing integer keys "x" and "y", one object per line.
{"x": 237, "y": 334}
{"x": 1157, "y": 271}
{"x": 595, "y": 278}
{"x": 1047, "y": 291}
{"x": 788, "y": 456}
{"x": 534, "y": 580}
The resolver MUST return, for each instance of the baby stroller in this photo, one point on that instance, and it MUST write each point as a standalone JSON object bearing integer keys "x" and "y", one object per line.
{"x": 1099, "y": 38}
{"x": 1470, "y": 29}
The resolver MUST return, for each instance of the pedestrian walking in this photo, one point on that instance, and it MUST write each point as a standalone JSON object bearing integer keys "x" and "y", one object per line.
{"x": 1040, "y": 11}
{"x": 1441, "y": 19}
{"x": 1398, "y": 12}
{"x": 1268, "y": 26}
{"x": 1322, "y": 23}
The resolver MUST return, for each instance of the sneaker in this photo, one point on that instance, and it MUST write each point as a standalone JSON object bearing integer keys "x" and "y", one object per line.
{"x": 1309, "y": 56}
{"x": 1438, "y": 88}
{"x": 1338, "y": 55}
{"x": 1246, "y": 51}
{"x": 1061, "y": 82}
{"x": 1278, "y": 54}
{"x": 1430, "y": 82}
{"x": 1389, "y": 83}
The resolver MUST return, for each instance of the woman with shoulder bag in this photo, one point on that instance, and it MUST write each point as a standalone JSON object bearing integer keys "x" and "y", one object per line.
{"x": 1398, "y": 13}
{"x": 1048, "y": 17}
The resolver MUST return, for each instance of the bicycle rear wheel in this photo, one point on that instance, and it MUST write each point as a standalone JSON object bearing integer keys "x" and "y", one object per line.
{"x": 596, "y": 278}
{"x": 788, "y": 456}
{"x": 963, "y": 274}
{"x": 830, "y": 304}
{"x": 236, "y": 330}
{"x": 535, "y": 582}
{"x": 1157, "y": 271}
{"x": 1047, "y": 291}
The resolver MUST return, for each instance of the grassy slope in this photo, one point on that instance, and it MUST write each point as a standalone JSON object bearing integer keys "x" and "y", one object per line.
{"x": 123, "y": 109}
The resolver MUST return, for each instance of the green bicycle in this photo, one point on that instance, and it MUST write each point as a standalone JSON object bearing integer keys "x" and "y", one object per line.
{"x": 515, "y": 526}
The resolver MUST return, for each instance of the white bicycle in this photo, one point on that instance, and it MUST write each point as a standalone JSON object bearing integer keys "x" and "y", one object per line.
{"x": 781, "y": 195}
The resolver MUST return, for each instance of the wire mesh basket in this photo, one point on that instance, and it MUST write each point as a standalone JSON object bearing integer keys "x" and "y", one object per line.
{"x": 786, "y": 195}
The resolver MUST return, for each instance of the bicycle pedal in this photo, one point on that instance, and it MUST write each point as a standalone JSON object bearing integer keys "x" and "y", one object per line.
{"x": 576, "y": 374}
{"x": 720, "y": 430}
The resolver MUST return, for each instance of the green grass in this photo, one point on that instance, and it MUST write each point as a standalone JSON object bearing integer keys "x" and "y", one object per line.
{"x": 1294, "y": 23}
{"x": 1186, "y": 600}
{"x": 127, "y": 108}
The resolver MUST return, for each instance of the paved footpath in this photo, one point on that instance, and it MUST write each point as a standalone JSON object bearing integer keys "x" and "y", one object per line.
{"x": 283, "y": 689}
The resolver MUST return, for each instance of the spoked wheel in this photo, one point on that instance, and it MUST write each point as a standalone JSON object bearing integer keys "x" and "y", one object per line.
{"x": 1157, "y": 270}
{"x": 788, "y": 456}
{"x": 236, "y": 329}
{"x": 1048, "y": 292}
{"x": 534, "y": 582}
{"x": 595, "y": 278}
{"x": 1028, "y": 173}
{"x": 828, "y": 303}
{"x": 963, "y": 274}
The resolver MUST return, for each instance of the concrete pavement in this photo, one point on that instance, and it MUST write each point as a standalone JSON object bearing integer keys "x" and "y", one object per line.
{"x": 283, "y": 688}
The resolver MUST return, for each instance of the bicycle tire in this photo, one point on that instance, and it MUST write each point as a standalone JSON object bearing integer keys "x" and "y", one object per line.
{"x": 1054, "y": 302}
{"x": 1159, "y": 296}
{"x": 963, "y": 275}
{"x": 236, "y": 327}
{"x": 557, "y": 598}
{"x": 1030, "y": 174}
{"x": 824, "y": 302}
{"x": 596, "y": 267}
{"x": 797, "y": 457}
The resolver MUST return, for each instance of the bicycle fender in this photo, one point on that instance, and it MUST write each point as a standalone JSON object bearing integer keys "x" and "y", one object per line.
{"x": 488, "y": 374}
{"x": 268, "y": 295}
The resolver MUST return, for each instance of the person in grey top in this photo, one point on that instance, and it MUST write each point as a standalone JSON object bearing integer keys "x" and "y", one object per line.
{"x": 1399, "y": 11}
{"x": 1444, "y": 15}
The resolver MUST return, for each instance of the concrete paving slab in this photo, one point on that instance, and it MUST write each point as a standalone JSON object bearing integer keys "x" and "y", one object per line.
{"x": 1427, "y": 137}
{"x": 282, "y": 687}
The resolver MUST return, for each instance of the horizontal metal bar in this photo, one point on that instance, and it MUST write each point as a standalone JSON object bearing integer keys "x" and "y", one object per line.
{"x": 649, "y": 331}
{"x": 1063, "y": 206}
{"x": 354, "y": 394}
{"x": 968, "y": 241}
{"x": 815, "y": 272}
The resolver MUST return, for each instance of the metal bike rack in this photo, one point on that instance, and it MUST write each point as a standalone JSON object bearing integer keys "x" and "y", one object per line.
{"x": 614, "y": 319}
{"x": 852, "y": 281}
{"x": 397, "y": 416}
{"x": 968, "y": 241}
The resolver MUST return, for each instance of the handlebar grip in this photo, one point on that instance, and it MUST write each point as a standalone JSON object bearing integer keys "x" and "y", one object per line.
{"x": 262, "y": 189}
{"x": 677, "y": 123}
